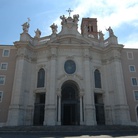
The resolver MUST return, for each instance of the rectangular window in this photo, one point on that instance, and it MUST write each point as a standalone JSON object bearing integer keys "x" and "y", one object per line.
{"x": 132, "y": 68}
{"x": 136, "y": 95}
{"x": 6, "y": 53}
{"x": 1, "y": 96}
{"x": 130, "y": 55}
{"x": 134, "y": 81}
{"x": 2, "y": 80}
{"x": 4, "y": 66}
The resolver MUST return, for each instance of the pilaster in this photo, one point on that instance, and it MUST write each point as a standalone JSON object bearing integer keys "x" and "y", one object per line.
{"x": 121, "y": 108}
{"x": 15, "y": 116}
{"x": 50, "y": 107}
{"x": 21, "y": 86}
{"x": 108, "y": 101}
{"x": 89, "y": 97}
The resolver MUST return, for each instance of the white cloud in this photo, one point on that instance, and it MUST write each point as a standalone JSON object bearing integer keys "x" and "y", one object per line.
{"x": 132, "y": 41}
{"x": 109, "y": 13}
{"x": 131, "y": 44}
{"x": 112, "y": 13}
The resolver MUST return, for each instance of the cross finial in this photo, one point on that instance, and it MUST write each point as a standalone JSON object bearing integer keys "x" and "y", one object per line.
{"x": 28, "y": 20}
{"x": 69, "y": 11}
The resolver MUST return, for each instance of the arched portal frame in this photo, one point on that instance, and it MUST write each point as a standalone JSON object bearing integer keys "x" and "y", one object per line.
{"x": 70, "y": 104}
{"x": 76, "y": 104}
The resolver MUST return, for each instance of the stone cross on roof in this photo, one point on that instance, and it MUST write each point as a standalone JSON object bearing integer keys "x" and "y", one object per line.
{"x": 69, "y": 11}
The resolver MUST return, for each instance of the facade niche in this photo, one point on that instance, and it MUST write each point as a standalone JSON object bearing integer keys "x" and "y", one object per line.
{"x": 41, "y": 78}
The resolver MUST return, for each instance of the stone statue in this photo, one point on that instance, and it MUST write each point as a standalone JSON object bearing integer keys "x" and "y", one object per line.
{"x": 37, "y": 33}
{"x": 63, "y": 18}
{"x": 54, "y": 28}
{"x": 76, "y": 18}
{"x": 25, "y": 27}
{"x": 101, "y": 36}
{"x": 111, "y": 33}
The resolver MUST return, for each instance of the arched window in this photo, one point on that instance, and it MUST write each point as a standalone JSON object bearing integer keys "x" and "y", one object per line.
{"x": 90, "y": 28}
{"x": 41, "y": 78}
{"x": 97, "y": 77}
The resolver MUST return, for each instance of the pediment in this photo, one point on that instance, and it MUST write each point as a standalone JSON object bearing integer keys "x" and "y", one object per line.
{"x": 69, "y": 40}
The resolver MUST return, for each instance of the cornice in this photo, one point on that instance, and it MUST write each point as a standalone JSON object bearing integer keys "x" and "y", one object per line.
{"x": 40, "y": 90}
{"x": 52, "y": 56}
{"x": 26, "y": 54}
{"x": 98, "y": 90}
{"x": 24, "y": 44}
{"x": 113, "y": 47}
{"x": 70, "y": 76}
{"x": 110, "y": 60}
{"x": 48, "y": 46}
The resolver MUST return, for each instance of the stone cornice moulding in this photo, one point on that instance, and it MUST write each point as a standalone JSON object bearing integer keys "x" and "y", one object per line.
{"x": 26, "y": 54}
{"x": 70, "y": 76}
{"x": 40, "y": 90}
{"x": 110, "y": 60}
{"x": 20, "y": 44}
{"x": 109, "y": 48}
{"x": 98, "y": 90}
{"x": 70, "y": 57}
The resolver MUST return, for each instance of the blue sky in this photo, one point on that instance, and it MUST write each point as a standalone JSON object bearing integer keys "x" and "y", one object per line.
{"x": 121, "y": 15}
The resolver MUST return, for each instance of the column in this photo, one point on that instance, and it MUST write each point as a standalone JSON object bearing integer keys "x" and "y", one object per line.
{"x": 59, "y": 108}
{"x": 81, "y": 109}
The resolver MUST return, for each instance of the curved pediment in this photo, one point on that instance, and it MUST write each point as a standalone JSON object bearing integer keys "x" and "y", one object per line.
{"x": 70, "y": 39}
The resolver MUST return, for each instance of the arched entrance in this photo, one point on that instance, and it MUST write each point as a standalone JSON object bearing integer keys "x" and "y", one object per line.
{"x": 70, "y": 104}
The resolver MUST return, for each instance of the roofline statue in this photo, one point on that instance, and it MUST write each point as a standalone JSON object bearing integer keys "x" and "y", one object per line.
{"x": 63, "y": 18}
{"x": 76, "y": 18}
{"x": 54, "y": 28}
{"x": 37, "y": 33}
{"x": 101, "y": 35}
{"x": 111, "y": 33}
{"x": 25, "y": 27}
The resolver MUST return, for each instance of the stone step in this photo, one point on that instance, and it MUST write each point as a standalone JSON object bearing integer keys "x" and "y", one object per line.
{"x": 66, "y": 128}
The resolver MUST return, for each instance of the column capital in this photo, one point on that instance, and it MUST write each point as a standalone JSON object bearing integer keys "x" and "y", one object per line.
{"x": 58, "y": 92}
{"x": 52, "y": 56}
{"x": 81, "y": 94}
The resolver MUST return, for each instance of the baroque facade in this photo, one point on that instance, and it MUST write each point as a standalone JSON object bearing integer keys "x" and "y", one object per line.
{"x": 68, "y": 78}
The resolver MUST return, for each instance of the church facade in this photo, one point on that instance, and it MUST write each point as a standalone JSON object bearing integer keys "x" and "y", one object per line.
{"x": 69, "y": 78}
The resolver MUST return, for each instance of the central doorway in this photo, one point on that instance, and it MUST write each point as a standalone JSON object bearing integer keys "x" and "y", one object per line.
{"x": 70, "y": 104}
